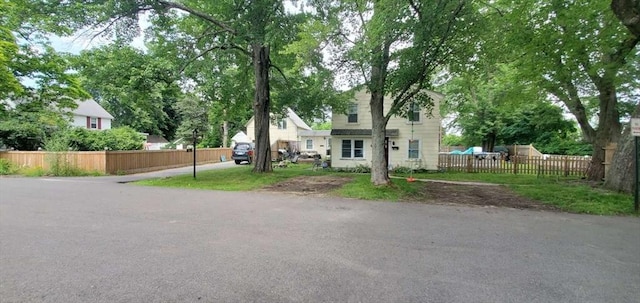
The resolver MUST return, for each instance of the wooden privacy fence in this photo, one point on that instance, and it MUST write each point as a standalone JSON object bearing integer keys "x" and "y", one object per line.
{"x": 118, "y": 162}
{"x": 546, "y": 165}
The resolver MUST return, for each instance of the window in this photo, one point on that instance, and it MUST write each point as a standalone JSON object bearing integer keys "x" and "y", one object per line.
{"x": 414, "y": 112}
{"x": 414, "y": 149}
{"x": 352, "y": 149}
{"x": 353, "y": 113}
{"x": 309, "y": 144}
{"x": 282, "y": 124}
{"x": 94, "y": 123}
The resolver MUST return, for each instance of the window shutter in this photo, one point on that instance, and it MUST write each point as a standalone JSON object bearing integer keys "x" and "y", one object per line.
{"x": 88, "y": 122}
{"x": 99, "y": 123}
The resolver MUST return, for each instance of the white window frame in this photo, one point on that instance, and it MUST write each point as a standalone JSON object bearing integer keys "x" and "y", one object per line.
{"x": 352, "y": 110}
{"x": 93, "y": 123}
{"x": 282, "y": 124}
{"x": 415, "y": 151}
{"x": 352, "y": 149}
{"x": 309, "y": 146}
{"x": 414, "y": 109}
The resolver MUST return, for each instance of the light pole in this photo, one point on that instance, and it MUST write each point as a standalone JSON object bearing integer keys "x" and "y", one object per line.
{"x": 195, "y": 142}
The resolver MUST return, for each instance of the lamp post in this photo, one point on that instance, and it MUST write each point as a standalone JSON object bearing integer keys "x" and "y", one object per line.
{"x": 195, "y": 141}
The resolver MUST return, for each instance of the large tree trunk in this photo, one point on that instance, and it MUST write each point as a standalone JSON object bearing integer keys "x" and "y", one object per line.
{"x": 628, "y": 12}
{"x": 379, "y": 166}
{"x": 225, "y": 133}
{"x": 261, "y": 107}
{"x": 609, "y": 128}
{"x": 621, "y": 172}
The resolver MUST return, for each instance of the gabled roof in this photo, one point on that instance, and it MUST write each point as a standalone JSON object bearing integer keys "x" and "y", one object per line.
{"x": 314, "y": 133}
{"x": 91, "y": 108}
{"x": 297, "y": 120}
{"x": 156, "y": 139}
{"x": 241, "y": 137}
{"x": 294, "y": 118}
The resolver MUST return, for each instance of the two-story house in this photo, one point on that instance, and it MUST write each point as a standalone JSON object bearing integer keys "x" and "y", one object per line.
{"x": 412, "y": 140}
{"x": 89, "y": 114}
{"x": 284, "y": 130}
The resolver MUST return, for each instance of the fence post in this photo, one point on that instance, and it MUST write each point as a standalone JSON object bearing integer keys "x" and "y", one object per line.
{"x": 515, "y": 164}
{"x": 566, "y": 166}
{"x": 469, "y": 163}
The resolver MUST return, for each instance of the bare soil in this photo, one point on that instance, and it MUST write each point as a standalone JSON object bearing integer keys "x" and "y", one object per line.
{"x": 429, "y": 193}
{"x": 309, "y": 185}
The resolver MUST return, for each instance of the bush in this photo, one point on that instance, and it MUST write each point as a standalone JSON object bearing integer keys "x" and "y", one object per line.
{"x": 402, "y": 170}
{"x": 6, "y": 167}
{"x": 359, "y": 169}
{"x": 122, "y": 138}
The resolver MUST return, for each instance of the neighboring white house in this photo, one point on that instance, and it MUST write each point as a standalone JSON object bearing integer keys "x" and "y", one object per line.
{"x": 91, "y": 115}
{"x": 286, "y": 129}
{"x": 155, "y": 142}
{"x": 240, "y": 137}
{"x": 411, "y": 142}
{"x": 314, "y": 142}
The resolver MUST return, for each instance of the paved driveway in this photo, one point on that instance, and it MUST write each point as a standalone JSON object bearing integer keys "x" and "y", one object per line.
{"x": 94, "y": 240}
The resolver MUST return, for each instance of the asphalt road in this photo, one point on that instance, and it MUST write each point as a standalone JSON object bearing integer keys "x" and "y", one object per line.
{"x": 96, "y": 240}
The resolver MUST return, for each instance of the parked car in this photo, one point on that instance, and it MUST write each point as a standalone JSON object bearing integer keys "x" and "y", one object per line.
{"x": 242, "y": 152}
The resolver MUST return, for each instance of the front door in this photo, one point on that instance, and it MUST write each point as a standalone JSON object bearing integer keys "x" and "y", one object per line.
{"x": 386, "y": 153}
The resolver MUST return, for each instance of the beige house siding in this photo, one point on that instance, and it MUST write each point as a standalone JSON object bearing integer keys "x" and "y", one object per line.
{"x": 427, "y": 131}
{"x": 321, "y": 141}
{"x": 289, "y": 134}
{"x": 275, "y": 134}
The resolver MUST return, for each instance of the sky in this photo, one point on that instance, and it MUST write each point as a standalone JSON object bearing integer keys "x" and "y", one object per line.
{"x": 84, "y": 39}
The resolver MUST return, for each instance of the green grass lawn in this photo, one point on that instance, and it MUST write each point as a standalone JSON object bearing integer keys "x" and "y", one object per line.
{"x": 568, "y": 194}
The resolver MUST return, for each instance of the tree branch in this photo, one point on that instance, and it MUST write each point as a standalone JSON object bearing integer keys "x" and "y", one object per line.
{"x": 198, "y": 14}
{"x": 279, "y": 70}
{"x": 221, "y": 47}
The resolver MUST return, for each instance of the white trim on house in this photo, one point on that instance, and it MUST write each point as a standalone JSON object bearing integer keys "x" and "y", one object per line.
{"x": 293, "y": 126}
{"x": 400, "y": 130}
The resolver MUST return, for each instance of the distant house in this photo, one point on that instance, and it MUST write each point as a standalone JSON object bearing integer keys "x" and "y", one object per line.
{"x": 315, "y": 142}
{"x": 412, "y": 140}
{"x": 91, "y": 115}
{"x": 240, "y": 137}
{"x": 155, "y": 142}
{"x": 286, "y": 129}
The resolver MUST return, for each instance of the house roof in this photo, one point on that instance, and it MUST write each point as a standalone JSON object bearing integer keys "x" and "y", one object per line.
{"x": 315, "y": 133}
{"x": 294, "y": 118}
{"x": 156, "y": 139}
{"x": 91, "y": 108}
{"x": 241, "y": 137}
{"x": 362, "y": 132}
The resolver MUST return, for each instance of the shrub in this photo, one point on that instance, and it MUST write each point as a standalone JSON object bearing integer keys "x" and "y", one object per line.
{"x": 6, "y": 167}
{"x": 359, "y": 169}
{"x": 122, "y": 138}
{"x": 402, "y": 170}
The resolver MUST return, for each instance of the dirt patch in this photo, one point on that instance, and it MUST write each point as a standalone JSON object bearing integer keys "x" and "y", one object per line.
{"x": 309, "y": 185}
{"x": 429, "y": 192}
{"x": 482, "y": 195}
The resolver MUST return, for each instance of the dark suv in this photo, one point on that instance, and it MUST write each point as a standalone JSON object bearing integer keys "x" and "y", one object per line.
{"x": 242, "y": 152}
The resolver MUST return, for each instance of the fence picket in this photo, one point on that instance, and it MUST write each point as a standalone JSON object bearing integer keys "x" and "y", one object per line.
{"x": 547, "y": 165}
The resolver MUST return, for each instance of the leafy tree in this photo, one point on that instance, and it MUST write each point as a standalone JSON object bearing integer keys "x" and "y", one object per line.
{"x": 35, "y": 85}
{"x": 452, "y": 140}
{"x": 250, "y": 29}
{"x": 138, "y": 89}
{"x": 622, "y": 171}
{"x": 194, "y": 113}
{"x": 396, "y": 46}
{"x": 572, "y": 51}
